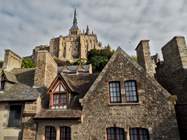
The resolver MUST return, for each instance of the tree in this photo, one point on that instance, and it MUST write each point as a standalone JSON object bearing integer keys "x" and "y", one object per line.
{"x": 28, "y": 63}
{"x": 99, "y": 58}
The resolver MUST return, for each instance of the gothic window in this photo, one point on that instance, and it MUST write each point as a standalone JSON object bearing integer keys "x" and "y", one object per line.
{"x": 131, "y": 91}
{"x": 65, "y": 133}
{"x": 115, "y": 92}
{"x": 139, "y": 134}
{"x": 50, "y": 133}
{"x": 15, "y": 116}
{"x": 115, "y": 133}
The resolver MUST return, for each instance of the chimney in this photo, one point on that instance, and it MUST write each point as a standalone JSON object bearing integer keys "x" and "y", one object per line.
{"x": 144, "y": 57}
{"x": 175, "y": 53}
{"x": 46, "y": 69}
{"x": 11, "y": 60}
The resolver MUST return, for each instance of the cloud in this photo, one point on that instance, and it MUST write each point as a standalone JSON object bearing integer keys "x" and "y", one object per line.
{"x": 25, "y": 23}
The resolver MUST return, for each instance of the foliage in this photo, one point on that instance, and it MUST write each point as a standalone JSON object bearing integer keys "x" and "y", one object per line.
{"x": 99, "y": 58}
{"x": 134, "y": 57}
{"x": 80, "y": 61}
{"x": 28, "y": 63}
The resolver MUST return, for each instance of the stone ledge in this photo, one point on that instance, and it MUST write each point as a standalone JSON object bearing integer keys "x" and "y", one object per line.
{"x": 123, "y": 104}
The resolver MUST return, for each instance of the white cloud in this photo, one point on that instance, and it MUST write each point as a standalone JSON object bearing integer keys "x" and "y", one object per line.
{"x": 25, "y": 23}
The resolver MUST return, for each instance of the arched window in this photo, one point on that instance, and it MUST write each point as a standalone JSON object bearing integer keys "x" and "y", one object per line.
{"x": 65, "y": 133}
{"x": 139, "y": 134}
{"x": 131, "y": 91}
{"x": 115, "y": 92}
{"x": 50, "y": 133}
{"x": 115, "y": 133}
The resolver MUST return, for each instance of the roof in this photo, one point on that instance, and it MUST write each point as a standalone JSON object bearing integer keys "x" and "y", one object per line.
{"x": 21, "y": 92}
{"x": 119, "y": 51}
{"x": 59, "y": 114}
{"x": 22, "y": 87}
{"x": 73, "y": 69}
{"x": 79, "y": 83}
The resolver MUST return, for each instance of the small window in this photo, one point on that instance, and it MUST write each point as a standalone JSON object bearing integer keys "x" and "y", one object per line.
{"x": 50, "y": 133}
{"x": 115, "y": 133}
{"x": 65, "y": 133}
{"x": 131, "y": 91}
{"x": 139, "y": 134}
{"x": 15, "y": 116}
{"x": 2, "y": 82}
{"x": 115, "y": 92}
{"x": 60, "y": 99}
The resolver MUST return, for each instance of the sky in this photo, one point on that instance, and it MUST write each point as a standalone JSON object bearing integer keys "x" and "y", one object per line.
{"x": 25, "y": 24}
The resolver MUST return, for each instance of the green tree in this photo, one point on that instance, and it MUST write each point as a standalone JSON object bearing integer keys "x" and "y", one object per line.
{"x": 28, "y": 63}
{"x": 99, "y": 58}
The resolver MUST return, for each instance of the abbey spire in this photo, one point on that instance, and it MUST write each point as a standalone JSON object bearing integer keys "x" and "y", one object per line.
{"x": 74, "y": 29}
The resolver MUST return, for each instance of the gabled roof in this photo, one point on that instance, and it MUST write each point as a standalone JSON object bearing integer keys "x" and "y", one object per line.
{"x": 119, "y": 51}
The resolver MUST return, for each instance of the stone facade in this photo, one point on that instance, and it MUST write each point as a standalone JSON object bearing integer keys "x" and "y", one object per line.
{"x": 99, "y": 113}
{"x": 172, "y": 75}
{"x": 46, "y": 69}
{"x": 11, "y": 60}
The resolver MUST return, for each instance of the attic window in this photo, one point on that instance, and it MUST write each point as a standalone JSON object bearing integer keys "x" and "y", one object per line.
{"x": 131, "y": 91}
{"x": 59, "y": 98}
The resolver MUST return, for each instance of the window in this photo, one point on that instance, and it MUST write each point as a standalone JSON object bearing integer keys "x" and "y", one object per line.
{"x": 2, "y": 82}
{"x": 65, "y": 133}
{"x": 115, "y": 133}
{"x": 139, "y": 134}
{"x": 131, "y": 91}
{"x": 50, "y": 133}
{"x": 115, "y": 92}
{"x": 59, "y": 99}
{"x": 15, "y": 116}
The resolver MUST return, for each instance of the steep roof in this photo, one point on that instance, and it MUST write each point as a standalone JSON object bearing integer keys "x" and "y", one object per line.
{"x": 119, "y": 51}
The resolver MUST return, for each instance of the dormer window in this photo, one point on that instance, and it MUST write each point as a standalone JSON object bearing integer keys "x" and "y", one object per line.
{"x": 59, "y": 100}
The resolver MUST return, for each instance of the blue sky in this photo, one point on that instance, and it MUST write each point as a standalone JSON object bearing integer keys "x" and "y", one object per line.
{"x": 28, "y": 23}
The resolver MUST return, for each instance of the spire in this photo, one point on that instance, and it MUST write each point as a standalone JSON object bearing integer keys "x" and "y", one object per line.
{"x": 75, "y": 18}
{"x": 74, "y": 29}
{"x": 87, "y": 30}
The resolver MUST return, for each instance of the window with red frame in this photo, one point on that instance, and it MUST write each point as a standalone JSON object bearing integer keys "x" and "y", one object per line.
{"x": 59, "y": 99}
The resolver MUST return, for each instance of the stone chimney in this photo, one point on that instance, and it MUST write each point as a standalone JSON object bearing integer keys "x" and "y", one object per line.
{"x": 144, "y": 57}
{"x": 11, "y": 60}
{"x": 175, "y": 53}
{"x": 46, "y": 69}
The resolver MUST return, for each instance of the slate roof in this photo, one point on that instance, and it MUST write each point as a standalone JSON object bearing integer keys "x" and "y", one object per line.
{"x": 21, "y": 92}
{"x": 21, "y": 89}
{"x": 59, "y": 114}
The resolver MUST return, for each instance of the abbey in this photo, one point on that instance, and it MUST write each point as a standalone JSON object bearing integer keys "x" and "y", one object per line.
{"x": 128, "y": 100}
{"x": 73, "y": 46}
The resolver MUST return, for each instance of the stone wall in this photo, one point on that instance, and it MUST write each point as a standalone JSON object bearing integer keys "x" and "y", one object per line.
{"x": 74, "y": 124}
{"x": 144, "y": 57}
{"x": 11, "y": 60}
{"x": 46, "y": 69}
{"x": 153, "y": 111}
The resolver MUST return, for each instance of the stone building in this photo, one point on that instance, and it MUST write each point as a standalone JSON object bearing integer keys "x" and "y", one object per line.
{"x": 73, "y": 46}
{"x": 123, "y": 102}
